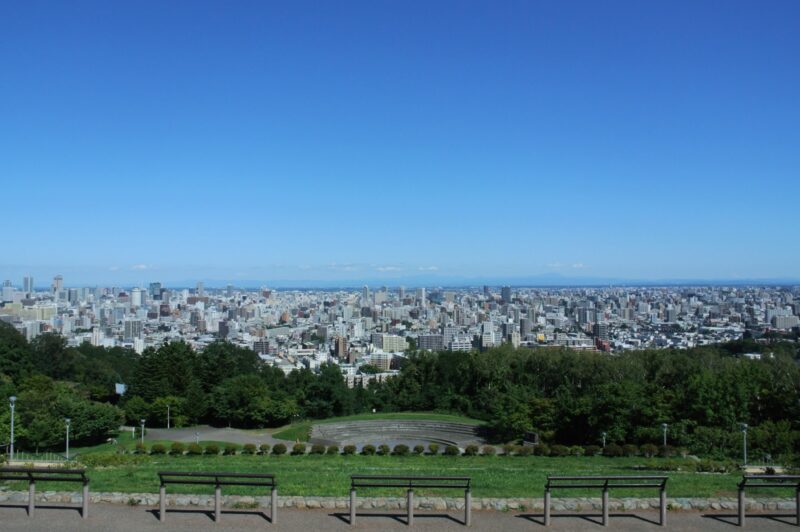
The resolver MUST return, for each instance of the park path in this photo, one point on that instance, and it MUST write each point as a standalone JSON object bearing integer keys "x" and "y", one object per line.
{"x": 109, "y": 517}
{"x": 207, "y": 433}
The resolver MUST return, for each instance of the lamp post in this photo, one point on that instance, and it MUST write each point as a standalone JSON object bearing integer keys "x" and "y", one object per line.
{"x": 167, "y": 417}
{"x": 67, "y": 422}
{"x": 197, "y": 438}
{"x": 142, "y": 422}
{"x": 664, "y": 429}
{"x": 12, "y": 401}
{"x": 744, "y": 441}
{"x": 604, "y": 440}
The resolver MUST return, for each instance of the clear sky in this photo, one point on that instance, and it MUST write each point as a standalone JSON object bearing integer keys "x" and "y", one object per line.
{"x": 339, "y": 140}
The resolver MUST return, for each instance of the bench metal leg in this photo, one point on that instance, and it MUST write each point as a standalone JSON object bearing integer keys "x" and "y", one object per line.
{"x": 663, "y": 508}
{"x": 217, "y": 503}
{"x": 546, "y": 507}
{"x": 797, "y": 506}
{"x": 31, "y": 498}
{"x": 605, "y": 507}
{"x": 85, "y": 501}
{"x": 273, "y": 516}
{"x": 468, "y": 507}
{"x": 741, "y": 507}
{"x": 352, "y": 507}
{"x": 410, "y": 507}
{"x": 162, "y": 503}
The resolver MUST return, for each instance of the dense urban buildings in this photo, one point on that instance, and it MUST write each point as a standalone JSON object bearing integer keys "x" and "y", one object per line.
{"x": 377, "y": 326}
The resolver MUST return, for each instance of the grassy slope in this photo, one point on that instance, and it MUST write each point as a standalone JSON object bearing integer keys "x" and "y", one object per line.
{"x": 497, "y": 476}
{"x": 301, "y": 430}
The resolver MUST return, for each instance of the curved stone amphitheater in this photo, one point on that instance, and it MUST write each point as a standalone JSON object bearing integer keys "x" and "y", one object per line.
{"x": 395, "y": 431}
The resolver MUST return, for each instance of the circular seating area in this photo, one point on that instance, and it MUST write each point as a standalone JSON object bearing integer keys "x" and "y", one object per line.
{"x": 410, "y": 432}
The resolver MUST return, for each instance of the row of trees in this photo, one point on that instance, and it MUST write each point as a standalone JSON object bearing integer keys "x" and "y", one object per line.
{"x": 569, "y": 397}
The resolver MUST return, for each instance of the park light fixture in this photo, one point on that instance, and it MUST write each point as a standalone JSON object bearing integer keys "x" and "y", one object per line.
{"x": 664, "y": 429}
{"x": 743, "y": 426}
{"x": 67, "y": 421}
{"x": 11, "y": 402}
{"x": 142, "y": 422}
{"x": 604, "y": 440}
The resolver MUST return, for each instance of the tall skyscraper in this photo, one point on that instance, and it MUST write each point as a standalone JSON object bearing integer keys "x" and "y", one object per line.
{"x": 201, "y": 289}
{"x": 365, "y": 296}
{"x": 505, "y": 294}
{"x": 27, "y": 284}
{"x": 58, "y": 284}
{"x": 155, "y": 291}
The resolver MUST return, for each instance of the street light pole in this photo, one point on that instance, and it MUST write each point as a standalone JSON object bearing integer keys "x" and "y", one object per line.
{"x": 604, "y": 440}
{"x": 167, "y": 416}
{"x": 142, "y": 422}
{"x": 664, "y": 428}
{"x": 67, "y": 421}
{"x": 12, "y": 401}
{"x": 744, "y": 441}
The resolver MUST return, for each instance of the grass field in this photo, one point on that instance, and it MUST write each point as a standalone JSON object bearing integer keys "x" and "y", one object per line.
{"x": 301, "y": 430}
{"x": 493, "y": 476}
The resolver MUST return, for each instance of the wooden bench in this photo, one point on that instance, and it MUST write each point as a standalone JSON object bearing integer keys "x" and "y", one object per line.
{"x": 410, "y": 483}
{"x": 41, "y": 474}
{"x": 769, "y": 481}
{"x": 604, "y": 483}
{"x": 217, "y": 480}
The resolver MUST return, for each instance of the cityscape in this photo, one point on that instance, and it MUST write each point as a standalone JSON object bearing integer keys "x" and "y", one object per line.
{"x": 376, "y": 327}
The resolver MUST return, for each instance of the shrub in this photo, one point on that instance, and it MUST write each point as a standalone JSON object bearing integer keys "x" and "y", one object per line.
{"x": 400, "y": 450}
{"x": 264, "y": 448}
{"x": 451, "y": 450}
{"x": 630, "y": 450}
{"x": 666, "y": 451}
{"x": 279, "y": 449}
{"x": 471, "y": 450}
{"x": 368, "y": 450}
{"x": 648, "y": 450}
{"x": 541, "y": 449}
{"x": 349, "y": 449}
{"x": 489, "y": 450}
{"x": 332, "y": 450}
{"x": 612, "y": 450}
{"x": 383, "y": 449}
{"x": 317, "y": 448}
{"x": 592, "y": 450}
{"x": 176, "y": 448}
{"x": 525, "y": 450}
{"x": 559, "y": 450}
{"x": 249, "y": 448}
{"x": 508, "y": 449}
{"x": 230, "y": 449}
{"x": 433, "y": 448}
{"x": 298, "y": 449}
{"x": 576, "y": 450}
{"x": 194, "y": 449}
{"x": 212, "y": 448}
{"x": 158, "y": 448}
{"x": 140, "y": 448}
{"x": 419, "y": 449}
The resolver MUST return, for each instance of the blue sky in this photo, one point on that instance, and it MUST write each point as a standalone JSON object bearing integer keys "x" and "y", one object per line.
{"x": 386, "y": 140}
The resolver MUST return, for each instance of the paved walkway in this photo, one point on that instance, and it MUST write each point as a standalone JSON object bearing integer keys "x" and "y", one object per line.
{"x": 107, "y": 517}
{"x": 206, "y": 433}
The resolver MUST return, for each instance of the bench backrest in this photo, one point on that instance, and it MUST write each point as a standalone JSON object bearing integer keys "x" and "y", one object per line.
{"x": 610, "y": 481}
{"x": 217, "y": 478}
{"x": 393, "y": 481}
{"x": 770, "y": 481}
{"x": 34, "y": 474}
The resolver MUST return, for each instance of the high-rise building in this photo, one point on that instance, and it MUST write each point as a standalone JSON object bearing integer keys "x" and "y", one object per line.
{"x": 136, "y": 297}
{"x": 430, "y": 342}
{"x": 155, "y": 291}
{"x": 201, "y": 289}
{"x": 505, "y": 294}
{"x": 132, "y": 329}
{"x": 365, "y": 296}
{"x": 27, "y": 284}
{"x": 421, "y": 297}
{"x": 72, "y": 296}
{"x": 401, "y": 292}
{"x": 58, "y": 284}
{"x": 340, "y": 347}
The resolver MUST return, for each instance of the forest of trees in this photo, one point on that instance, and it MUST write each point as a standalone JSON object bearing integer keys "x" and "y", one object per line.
{"x": 569, "y": 397}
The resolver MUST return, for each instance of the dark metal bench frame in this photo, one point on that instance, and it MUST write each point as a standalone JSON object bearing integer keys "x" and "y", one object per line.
{"x": 769, "y": 481}
{"x": 381, "y": 481}
{"x": 604, "y": 483}
{"x": 217, "y": 480}
{"x": 42, "y": 474}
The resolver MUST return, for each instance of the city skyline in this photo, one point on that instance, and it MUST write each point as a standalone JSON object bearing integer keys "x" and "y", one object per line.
{"x": 446, "y": 143}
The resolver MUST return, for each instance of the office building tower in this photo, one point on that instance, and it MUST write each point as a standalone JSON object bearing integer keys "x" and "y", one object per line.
{"x": 27, "y": 284}
{"x": 155, "y": 291}
{"x": 72, "y": 296}
{"x": 401, "y": 292}
{"x": 430, "y": 342}
{"x": 58, "y": 284}
{"x": 365, "y": 296}
{"x": 201, "y": 289}
{"x": 136, "y": 297}
{"x": 505, "y": 294}
{"x": 132, "y": 329}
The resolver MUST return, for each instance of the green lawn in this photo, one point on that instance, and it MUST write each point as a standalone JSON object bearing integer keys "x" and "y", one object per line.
{"x": 301, "y": 430}
{"x": 497, "y": 476}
